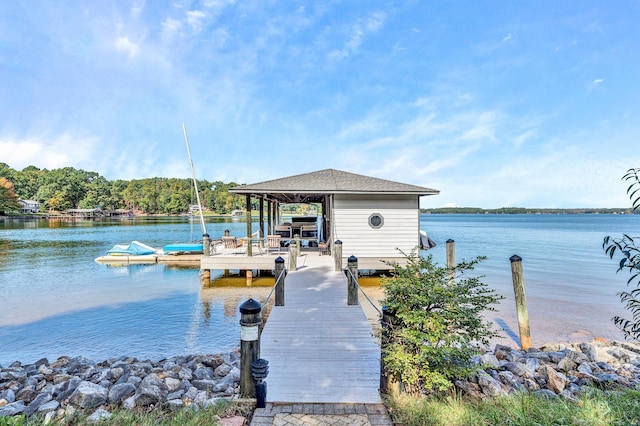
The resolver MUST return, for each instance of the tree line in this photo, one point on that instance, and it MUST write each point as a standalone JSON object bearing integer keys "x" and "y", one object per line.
{"x": 69, "y": 188}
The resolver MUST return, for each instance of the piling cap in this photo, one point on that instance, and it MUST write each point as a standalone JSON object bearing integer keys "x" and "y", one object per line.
{"x": 205, "y": 235}
{"x": 450, "y": 241}
{"x": 279, "y": 259}
{"x": 515, "y": 258}
{"x": 352, "y": 259}
{"x": 338, "y": 242}
{"x": 250, "y": 307}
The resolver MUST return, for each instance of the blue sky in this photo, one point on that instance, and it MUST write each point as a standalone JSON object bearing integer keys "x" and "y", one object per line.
{"x": 512, "y": 103}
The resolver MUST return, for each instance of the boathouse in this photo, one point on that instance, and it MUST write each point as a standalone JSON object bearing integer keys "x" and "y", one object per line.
{"x": 374, "y": 218}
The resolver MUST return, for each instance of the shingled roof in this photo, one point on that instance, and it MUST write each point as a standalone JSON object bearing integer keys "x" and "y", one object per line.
{"x": 330, "y": 181}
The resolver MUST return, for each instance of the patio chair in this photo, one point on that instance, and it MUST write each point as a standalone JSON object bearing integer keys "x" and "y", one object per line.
{"x": 231, "y": 243}
{"x": 273, "y": 243}
{"x": 323, "y": 248}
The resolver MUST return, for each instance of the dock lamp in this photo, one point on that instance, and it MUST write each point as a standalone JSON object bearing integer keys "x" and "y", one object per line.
{"x": 259, "y": 371}
{"x": 250, "y": 321}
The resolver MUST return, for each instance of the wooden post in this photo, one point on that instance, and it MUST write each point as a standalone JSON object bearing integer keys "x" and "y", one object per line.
{"x": 298, "y": 244}
{"x": 451, "y": 259}
{"x": 250, "y": 321}
{"x": 388, "y": 385}
{"x": 293, "y": 256}
{"x": 248, "y": 214}
{"x": 521, "y": 302}
{"x": 352, "y": 280}
{"x": 249, "y": 276}
{"x": 206, "y": 245}
{"x": 280, "y": 275}
{"x": 206, "y": 276}
{"x": 337, "y": 255}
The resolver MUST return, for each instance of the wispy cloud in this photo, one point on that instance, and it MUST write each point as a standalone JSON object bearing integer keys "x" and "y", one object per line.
{"x": 357, "y": 33}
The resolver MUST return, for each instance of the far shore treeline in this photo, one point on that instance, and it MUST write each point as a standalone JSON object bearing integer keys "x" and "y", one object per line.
{"x": 70, "y": 188}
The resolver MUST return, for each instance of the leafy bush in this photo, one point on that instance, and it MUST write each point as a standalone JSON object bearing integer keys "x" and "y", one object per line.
{"x": 438, "y": 324}
{"x": 629, "y": 254}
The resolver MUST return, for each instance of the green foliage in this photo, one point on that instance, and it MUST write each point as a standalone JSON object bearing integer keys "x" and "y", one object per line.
{"x": 592, "y": 408}
{"x": 67, "y": 188}
{"x": 8, "y": 198}
{"x": 438, "y": 324}
{"x": 629, "y": 254}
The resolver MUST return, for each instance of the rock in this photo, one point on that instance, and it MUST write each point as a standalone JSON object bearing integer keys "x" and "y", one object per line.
{"x": 546, "y": 393}
{"x": 203, "y": 373}
{"x": 99, "y": 414}
{"x": 518, "y": 369}
{"x": 204, "y": 385}
{"x": 49, "y": 406}
{"x": 469, "y": 388}
{"x": 567, "y": 364}
{"x": 120, "y": 392}
{"x": 129, "y": 403}
{"x": 26, "y": 394}
{"x": 489, "y": 385}
{"x": 555, "y": 381}
{"x": 585, "y": 368}
{"x": 175, "y": 404}
{"x": 486, "y": 359}
{"x": 172, "y": 384}
{"x": 12, "y": 409}
{"x": 589, "y": 350}
{"x": 89, "y": 395}
{"x": 37, "y": 402}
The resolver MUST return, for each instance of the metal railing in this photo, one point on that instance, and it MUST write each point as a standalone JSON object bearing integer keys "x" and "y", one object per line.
{"x": 348, "y": 271}
{"x": 281, "y": 276}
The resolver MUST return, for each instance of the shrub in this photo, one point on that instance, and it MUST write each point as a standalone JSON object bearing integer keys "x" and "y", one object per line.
{"x": 629, "y": 254}
{"x": 438, "y": 324}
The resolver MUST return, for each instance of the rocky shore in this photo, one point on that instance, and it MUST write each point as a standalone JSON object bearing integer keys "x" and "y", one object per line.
{"x": 555, "y": 370}
{"x": 62, "y": 387}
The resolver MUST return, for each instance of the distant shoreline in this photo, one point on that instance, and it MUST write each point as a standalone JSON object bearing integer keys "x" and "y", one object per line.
{"x": 524, "y": 210}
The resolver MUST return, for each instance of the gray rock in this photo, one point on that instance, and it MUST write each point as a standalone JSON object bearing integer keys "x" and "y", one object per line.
{"x": 99, "y": 414}
{"x": 89, "y": 395}
{"x": 546, "y": 393}
{"x": 567, "y": 364}
{"x": 172, "y": 384}
{"x": 12, "y": 409}
{"x": 8, "y": 395}
{"x": 175, "y": 395}
{"x": 129, "y": 403}
{"x": 204, "y": 385}
{"x": 49, "y": 406}
{"x": 518, "y": 369}
{"x": 485, "y": 359}
{"x": 203, "y": 373}
{"x": 224, "y": 369}
{"x": 489, "y": 385}
{"x": 191, "y": 393}
{"x": 120, "y": 392}
{"x": 33, "y": 406}
{"x": 589, "y": 351}
{"x": 585, "y": 368}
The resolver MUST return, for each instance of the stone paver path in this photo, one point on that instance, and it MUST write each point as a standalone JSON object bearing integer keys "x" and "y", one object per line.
{"x": 322, "y": 415}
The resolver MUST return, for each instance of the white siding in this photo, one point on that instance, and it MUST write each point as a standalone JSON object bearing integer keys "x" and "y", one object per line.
{"x": 400, "y": 229}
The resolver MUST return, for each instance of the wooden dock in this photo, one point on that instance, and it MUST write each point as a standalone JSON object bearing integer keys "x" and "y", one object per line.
{"x": 320, "y": 350}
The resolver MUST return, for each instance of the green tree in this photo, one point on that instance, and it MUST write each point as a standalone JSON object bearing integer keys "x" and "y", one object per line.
{"x": 8, "y": 198}
{"x": 628, "y": 252}
{"x": 438, "y": 324}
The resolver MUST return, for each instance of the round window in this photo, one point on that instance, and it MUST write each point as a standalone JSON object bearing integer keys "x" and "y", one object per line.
{"x": 376, "y": 221}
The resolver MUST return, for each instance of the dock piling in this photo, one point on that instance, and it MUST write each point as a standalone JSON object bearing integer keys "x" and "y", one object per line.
{"x": 337, "y": 255}
{"x": 352, "y": 280}
{"x": 521, "y": 302}
{"x": 280, "y": 275}
{"x": 250, "y": 322}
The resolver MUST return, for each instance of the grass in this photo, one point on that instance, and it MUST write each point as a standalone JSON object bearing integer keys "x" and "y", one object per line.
{"x": 594, "y": 408}
{"x": 151, "y": 417}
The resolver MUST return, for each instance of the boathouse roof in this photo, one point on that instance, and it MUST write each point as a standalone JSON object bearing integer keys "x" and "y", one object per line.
{"x": 309, "y": 187}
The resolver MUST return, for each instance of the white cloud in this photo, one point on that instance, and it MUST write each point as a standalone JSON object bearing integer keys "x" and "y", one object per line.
{"x": 51, "y": 153}
{"x": 195, "y": 18}
{"x": 123, "y": 44}
{"x": 357, "y": 33}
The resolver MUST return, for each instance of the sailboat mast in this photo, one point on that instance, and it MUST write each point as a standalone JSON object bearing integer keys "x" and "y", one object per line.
{"x": 195, "y": 183}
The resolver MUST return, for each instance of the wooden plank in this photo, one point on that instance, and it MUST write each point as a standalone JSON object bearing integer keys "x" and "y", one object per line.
{"x": 320, "y": 349}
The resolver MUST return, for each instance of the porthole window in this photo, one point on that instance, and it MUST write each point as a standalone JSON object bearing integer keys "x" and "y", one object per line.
{"x": 376, "y": 220}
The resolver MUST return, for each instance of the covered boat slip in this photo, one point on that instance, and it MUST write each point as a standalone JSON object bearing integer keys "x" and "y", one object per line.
{"x": 374, "y": 219}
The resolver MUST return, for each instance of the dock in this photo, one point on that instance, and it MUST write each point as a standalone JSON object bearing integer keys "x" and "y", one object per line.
{"x": 320, "y": 350}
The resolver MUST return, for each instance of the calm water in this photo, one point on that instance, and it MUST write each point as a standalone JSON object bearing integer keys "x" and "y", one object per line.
{"x": 55, "y": 300}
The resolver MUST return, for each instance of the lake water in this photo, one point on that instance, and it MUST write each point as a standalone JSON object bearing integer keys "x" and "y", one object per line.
{"x": 55, "y": 300}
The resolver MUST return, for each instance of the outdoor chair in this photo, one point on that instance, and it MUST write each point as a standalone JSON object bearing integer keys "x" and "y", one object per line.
{"x": 323, "y": 248}
{"x": 273, "y": 243}
{"x": 231, "y": 243}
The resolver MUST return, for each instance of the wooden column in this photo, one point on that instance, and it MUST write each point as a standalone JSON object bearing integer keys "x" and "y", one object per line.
{"x": 521, "y": 301}
{"x": 337, "y": 255}
{"x": 280, "y": 275}
{"x": 451, "y": 259}
{"x": 261, "y": 234}
{"x": 250, "y": 322}
{"x": 352, "y": 280}
{"x": 248, "y": 215}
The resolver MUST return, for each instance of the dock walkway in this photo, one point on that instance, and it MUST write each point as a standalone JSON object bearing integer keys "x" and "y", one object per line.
{"x": 320, "y": 349}
{"x": 322, "y": 353}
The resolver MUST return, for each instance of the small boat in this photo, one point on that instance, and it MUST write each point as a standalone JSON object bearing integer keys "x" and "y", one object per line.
{"x": 183, "y": 248}
{"x": 237, "y": 214}
{"x": 135, "y": 252}
{"x": 135, "y": 248}
{"x": 426, "y": 243}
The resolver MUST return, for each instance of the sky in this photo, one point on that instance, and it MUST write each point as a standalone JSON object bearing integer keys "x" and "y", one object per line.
{"x": 494, "y": 103}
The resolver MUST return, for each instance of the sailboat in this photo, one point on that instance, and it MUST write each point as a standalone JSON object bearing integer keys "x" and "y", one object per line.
{"x": 193, "y": 247}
